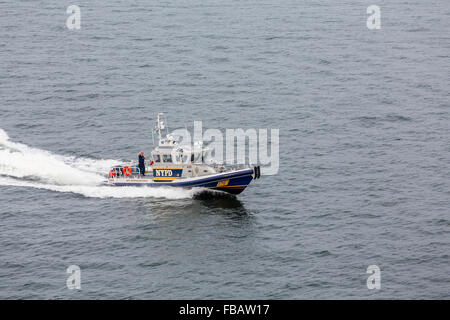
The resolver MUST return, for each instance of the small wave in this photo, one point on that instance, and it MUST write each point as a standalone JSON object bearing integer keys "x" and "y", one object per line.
{"x": 374, "y": 120}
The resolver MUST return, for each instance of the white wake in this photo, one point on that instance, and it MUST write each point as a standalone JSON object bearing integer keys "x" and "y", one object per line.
{"x": 24, "y": 166}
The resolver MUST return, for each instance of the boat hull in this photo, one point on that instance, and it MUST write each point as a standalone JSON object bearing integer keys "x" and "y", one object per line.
{"x": 233, "y": 182}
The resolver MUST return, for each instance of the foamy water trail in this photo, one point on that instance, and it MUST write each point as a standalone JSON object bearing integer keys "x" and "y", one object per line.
{"x": 24, "y": 166}
{"x": 105, "y": 191}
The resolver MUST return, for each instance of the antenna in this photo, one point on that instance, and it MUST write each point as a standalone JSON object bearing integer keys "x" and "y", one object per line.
{"x": 167, "y": 126}
{"x": 159, "y": 127}
{"x": 153, "y": 137}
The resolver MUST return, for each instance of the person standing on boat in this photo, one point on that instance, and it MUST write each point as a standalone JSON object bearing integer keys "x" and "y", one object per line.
{"x": 142, "y": 162}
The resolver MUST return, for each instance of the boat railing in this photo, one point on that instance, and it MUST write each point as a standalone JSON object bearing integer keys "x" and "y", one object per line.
{"x": 222, "y": 167}
{"x": 118, "y": 172}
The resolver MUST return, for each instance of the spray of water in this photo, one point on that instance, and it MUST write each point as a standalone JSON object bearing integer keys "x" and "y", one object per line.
{"x": 24, "y": 166}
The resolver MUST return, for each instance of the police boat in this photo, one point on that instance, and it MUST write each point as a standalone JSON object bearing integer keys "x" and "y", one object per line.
{"x": 173, "y": 164}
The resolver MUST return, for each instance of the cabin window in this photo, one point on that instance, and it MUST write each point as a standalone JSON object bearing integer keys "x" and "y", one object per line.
{"x": 156, "y": 158}
{"x": 197, "y": 158}
{"x": 167, "y": 157}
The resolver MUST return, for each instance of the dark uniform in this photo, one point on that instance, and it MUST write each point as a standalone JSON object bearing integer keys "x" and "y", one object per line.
{"x": 142, "y": 164}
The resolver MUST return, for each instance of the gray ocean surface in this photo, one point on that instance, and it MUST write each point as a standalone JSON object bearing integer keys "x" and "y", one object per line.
{"x": 364, "y": 119}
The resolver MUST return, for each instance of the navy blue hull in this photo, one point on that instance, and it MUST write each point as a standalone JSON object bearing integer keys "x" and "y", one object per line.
{"x": 231, "y": 182}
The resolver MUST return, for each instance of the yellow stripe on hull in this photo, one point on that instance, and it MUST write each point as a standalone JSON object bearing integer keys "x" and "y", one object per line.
{"x": 165, "y": 178}
{"x": 237, "y": 186}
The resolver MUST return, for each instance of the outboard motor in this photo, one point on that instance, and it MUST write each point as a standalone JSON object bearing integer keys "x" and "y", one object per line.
{"x": 257, "y": 172}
